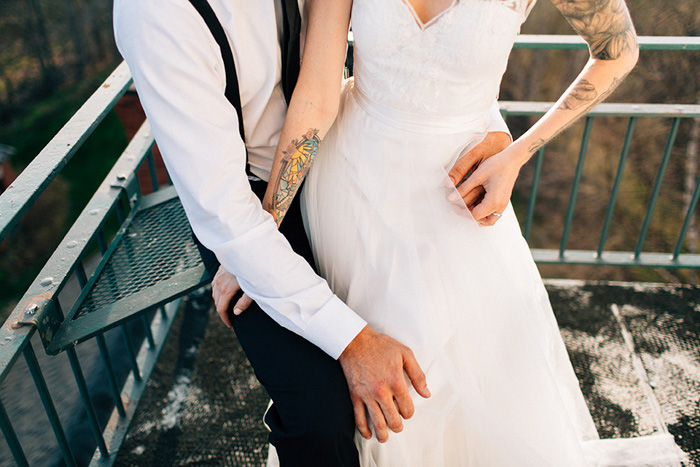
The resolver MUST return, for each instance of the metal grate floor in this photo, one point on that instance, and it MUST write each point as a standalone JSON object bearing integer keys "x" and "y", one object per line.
{"x": 139, "y": 261}
{"x": 212, "y": 415}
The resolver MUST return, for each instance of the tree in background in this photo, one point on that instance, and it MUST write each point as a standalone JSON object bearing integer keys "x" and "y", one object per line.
{"x": 47, "y": 43}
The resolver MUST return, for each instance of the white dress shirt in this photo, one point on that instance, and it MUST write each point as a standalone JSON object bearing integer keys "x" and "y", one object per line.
{"x": 179, "y": 75}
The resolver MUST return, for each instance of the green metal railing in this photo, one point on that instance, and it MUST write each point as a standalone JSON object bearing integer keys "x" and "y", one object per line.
{"x": 115, "y": 197}
{"x": 42, "y": 298}
{"x": 637, "y": 257}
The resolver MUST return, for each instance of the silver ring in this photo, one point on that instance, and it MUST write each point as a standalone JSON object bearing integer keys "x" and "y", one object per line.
{"x": 496, "y": 214}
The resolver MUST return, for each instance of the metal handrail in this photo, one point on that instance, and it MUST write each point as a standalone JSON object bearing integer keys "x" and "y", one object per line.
{"x": 568, "y": 42}
{"x": 34, "y": 179}
{"x": 16, "y": 332}
{"x": 677, "y": 260}
{"x": 562, "y": 42}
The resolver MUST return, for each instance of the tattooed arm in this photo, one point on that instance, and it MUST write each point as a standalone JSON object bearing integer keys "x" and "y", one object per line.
{"x": 314, "y": 103}
{"x": 607, "y": 28}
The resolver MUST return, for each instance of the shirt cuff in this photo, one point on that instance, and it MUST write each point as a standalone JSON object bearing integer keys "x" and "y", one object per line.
{"x": 333, "y": 327}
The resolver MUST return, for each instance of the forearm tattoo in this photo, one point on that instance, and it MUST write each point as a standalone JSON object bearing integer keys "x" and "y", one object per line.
{"x": 296, "y": 161}
{"x": 604, "y": 24}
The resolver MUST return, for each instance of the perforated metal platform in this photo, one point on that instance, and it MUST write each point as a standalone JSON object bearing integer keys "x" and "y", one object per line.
{"x": 157, "y": 246}
{"x": 152, "y": 261}
{"x": 214, "y": 415}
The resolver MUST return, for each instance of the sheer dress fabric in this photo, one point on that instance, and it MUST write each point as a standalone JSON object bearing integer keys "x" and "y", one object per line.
{"x": 467, "y": 300}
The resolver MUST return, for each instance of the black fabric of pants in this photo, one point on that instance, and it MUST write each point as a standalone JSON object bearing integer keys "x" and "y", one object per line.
{"x": 311, "y": 419}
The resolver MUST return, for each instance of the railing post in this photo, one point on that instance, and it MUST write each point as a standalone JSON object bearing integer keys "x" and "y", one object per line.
{"x": 533, "y": 193}
{"x": 87, "y": 401}
{"x": 616, "y": 185}
{"x": 688, "y": 219}
{"x": 152, "y": 170}
{"x": 657, "y": 187}
{"x": 47, "y": 402}
{"x": 575, "y": 187}
{"x": 126, "y": 334}
{"x": 11, "y": 438}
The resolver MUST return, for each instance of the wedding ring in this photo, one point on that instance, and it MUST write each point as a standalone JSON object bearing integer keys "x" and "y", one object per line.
{"x": 496, "y": 214}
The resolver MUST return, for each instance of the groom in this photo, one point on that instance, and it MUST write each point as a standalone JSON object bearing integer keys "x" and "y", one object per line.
{"x": 211, "y": 81}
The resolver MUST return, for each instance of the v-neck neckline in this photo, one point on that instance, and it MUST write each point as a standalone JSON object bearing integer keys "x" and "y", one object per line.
{"x": 423, "y": 26}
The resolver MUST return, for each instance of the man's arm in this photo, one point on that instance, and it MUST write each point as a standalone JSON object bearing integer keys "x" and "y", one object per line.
{"x": 177, "y": 70}
{"x": 373, "y": 363}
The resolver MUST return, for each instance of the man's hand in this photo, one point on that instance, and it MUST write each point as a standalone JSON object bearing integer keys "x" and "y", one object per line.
{"x": 224, "y": 287}
{"x": 492, "y": 144}
{"x": 374, "y": 366}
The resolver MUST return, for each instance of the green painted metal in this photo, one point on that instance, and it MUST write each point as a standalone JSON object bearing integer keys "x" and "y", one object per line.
{"x": 152, "y": 171}
{"x": 131, "y": 356}
{"x": 111, "y": 378}
{"x": 533, "y": 193}
{"x": 49, "y": 407}
{"x": 616, "y": 258}
{"x": 688, "y": 219}
{"x": 657, "y": 186}
{"x": 577, "y": 182}
{"x": 147, "y": 330}
{"x": 34, "y": 179}
{"x": 39, "y": 309}
{"x": 569, "y": 42}
{"x": 526, "y": 108}
{"x": 43, "y": 292}
{"x": 616, "y": 185}
{"x": 151, "y": 261}
{"x": 550, "y": 41}
{"x": 87, "y": 401}
{"x": 117, "y": 426}
{"x": 11, "y": 438}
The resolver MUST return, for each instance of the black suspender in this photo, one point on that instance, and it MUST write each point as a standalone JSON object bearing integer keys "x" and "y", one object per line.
{"x": 231, "y": 92}
{"x": 290, "y": 54}
{"x": 290, "y": 46}
{"x": 290, "y": 72}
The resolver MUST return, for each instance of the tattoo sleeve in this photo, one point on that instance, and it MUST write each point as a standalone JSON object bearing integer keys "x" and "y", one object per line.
{"x": 296, "y": 161}
{"x": 604, "y": 24}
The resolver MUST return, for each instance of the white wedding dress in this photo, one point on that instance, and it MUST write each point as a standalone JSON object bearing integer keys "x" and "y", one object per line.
{"x": 467, "y": 300}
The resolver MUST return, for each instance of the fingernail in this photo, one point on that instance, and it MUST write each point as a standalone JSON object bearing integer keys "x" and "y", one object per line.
{"x": 237, "y": 311}
{"x": 453, "y": 180}
{"x": 454, "y": 196}
{"x": 428, "y": 391}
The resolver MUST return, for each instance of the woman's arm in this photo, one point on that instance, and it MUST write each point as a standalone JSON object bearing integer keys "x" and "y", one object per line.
{"x": 607, "y": 28}
{"x": 314, "y": 104}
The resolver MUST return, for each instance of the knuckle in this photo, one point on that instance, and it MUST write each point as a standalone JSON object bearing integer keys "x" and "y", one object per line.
{"x": 395, "y": 382}
{"x": 380, "y": 424}
{"x": 379, "y": 388}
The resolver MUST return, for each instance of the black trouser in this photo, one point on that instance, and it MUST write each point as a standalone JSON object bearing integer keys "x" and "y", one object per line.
{"x": 311, "y": 418}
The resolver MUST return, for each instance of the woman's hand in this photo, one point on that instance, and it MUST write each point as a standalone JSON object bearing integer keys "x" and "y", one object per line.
{"x": 493, "y": 143}
{"x": 497, "y": 176}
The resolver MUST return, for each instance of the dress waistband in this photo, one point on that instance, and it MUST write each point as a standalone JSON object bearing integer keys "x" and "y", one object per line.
{"x": 420, "y": 123}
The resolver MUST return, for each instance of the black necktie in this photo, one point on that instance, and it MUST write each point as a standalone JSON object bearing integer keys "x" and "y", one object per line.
{"x": 290, "y": 46}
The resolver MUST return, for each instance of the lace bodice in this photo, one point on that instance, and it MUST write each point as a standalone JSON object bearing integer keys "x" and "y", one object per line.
{"x": 450, "y": 66}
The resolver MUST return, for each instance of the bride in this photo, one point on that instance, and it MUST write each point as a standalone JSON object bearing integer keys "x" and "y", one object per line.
{"x": 432, "y": 260}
